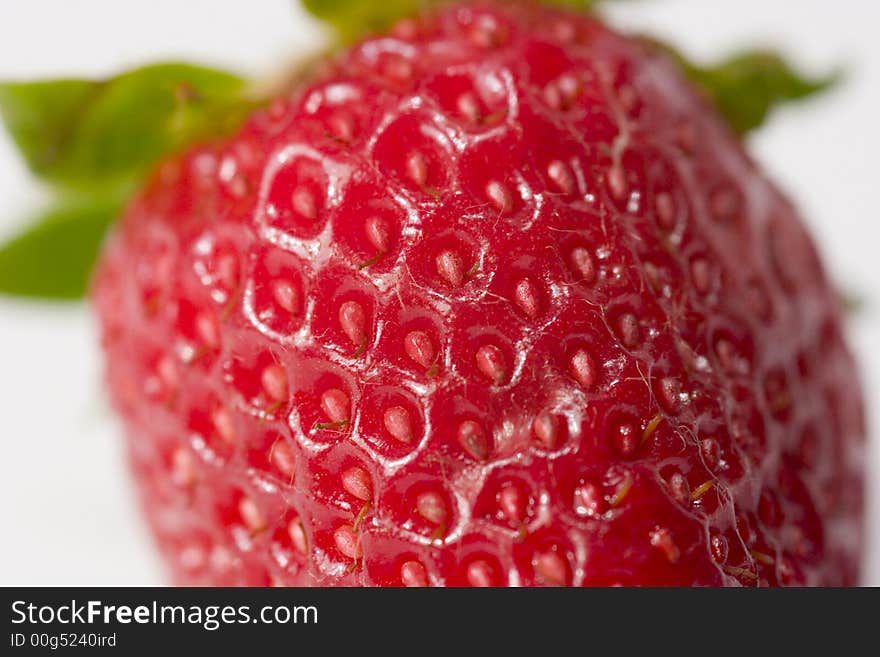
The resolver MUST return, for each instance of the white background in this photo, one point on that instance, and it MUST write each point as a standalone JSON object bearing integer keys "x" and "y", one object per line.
{"x": 66, "y": 511}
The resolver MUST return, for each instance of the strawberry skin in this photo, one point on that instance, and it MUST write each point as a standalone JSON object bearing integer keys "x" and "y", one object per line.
{"x": 496, "y": 299}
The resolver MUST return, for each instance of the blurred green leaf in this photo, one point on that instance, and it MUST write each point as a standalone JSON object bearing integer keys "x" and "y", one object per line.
{"x": 38, "y": 117}
{"x": 749, "y": 85}
{"x": 53, "y": 258}
{"x": 93, "y": 141}
{"x": 82, "y": 134}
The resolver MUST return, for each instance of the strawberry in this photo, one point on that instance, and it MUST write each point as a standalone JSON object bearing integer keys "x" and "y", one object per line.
{"x": 494, "y": 299}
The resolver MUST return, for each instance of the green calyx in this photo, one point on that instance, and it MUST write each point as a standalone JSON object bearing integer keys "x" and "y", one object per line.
{"x": 93, "y": 141}
{"x": 53, "y": 257}
{"x": 749, "y": 85}
{"x": 80, "y": 133}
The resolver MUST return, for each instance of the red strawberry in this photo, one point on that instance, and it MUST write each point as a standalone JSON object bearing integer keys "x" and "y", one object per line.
{"x": 496, "y": 299}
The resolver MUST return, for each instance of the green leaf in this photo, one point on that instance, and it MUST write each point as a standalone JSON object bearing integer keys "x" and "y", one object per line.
{"x": 93, "y": 141}
{"x": 54, "y": 257}
{"x": 83, "y": 134}
{"x": 749, "y": 85}
{"x": 37, "y": 117}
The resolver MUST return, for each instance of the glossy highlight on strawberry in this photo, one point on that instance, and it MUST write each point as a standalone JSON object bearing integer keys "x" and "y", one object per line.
{"x": 496, "y": 299}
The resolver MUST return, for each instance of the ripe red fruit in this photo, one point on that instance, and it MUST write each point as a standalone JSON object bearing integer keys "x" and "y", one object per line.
{"x": 495, "y": 300}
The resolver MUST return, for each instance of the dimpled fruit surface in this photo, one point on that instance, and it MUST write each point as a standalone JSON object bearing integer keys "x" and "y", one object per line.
{"x": 494, "y": 299}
